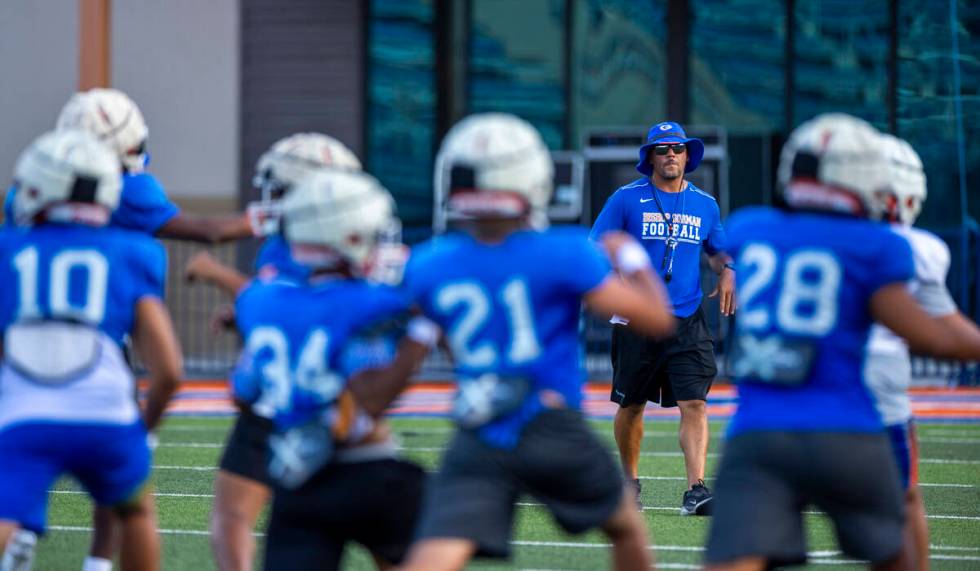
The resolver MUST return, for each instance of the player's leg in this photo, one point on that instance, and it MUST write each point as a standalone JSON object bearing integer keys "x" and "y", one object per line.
{"x": 758, "y": 518}
{"x": 443, "y": 554}
{"x": 238, "y": 501}
{"x": 140, "y": 547}
{"x": 690, "y": 365}
{"x": 916, "y": 532}
{"x": 633, "y": 371}
{"x": 468, "y": 509}
{"x": 562, "y": 464}
{"x": 693, "y": 437}
{"x": 855, "y": 480}
{"x": 628, "y": 534}
{"x": 628, "y": 432}
{"x": 106, "y": 535}
{"x": 241, "y": 490}
{"x": 113, "y": 465}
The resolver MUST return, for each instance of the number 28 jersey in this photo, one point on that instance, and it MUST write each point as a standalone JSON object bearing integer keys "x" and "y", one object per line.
{"x": 511, "y": 310}
{"x": 805, "y": 281}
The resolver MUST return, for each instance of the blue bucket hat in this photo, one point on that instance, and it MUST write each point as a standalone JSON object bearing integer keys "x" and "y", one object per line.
{"x": 670, "y": 132}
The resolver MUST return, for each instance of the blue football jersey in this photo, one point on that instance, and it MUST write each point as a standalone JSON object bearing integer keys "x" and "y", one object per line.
{"x": 696, "y": 222}
{"x": 299, "y": 342}
{"x": 275, "y": 259}
{"x": 143, "y": 205}
{"x": 78, "y": 273}
{"x": 805, "y": 281}
{"x": 511, "y": 310}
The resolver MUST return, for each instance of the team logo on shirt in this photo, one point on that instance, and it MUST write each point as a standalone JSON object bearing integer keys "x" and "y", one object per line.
{"x": 687, "y": 227}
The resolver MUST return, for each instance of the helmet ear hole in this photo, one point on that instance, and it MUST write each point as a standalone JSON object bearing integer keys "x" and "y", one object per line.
{"x": 806, "y": 165}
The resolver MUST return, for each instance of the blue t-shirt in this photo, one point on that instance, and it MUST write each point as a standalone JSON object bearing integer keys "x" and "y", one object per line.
{"x": 805, "y": 282}
{"x": 634, "y": 209}
{"x": 143, "y": 205}
{"x": 511, "y": 310}
{"x": 79, "y": 273}
{"x": 275, "y": 259}
{"x": 298, "y": 342}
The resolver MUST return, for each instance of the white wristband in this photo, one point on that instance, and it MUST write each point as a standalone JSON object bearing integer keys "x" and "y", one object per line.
{"x": 423, "y": 330}
{"x": 631, "y": 257}
{"x": 152, "y": 441}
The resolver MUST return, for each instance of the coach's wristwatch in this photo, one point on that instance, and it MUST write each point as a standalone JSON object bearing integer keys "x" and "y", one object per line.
{"x": 730, "y": 266}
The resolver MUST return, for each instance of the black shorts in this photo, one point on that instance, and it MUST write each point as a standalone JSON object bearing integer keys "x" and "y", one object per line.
{"x": 558, "y": 461}
{"x": 247, "y": 450}
{"x": 372, "y": 503}
{"x": 679, "y": 368}
{"x": 766, "y": 480}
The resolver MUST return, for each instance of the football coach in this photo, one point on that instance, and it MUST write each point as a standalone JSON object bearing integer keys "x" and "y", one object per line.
{"x": 675, "y": 221}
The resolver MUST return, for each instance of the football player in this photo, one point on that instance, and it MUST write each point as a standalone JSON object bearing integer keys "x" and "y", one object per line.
{"x": 114, "y": 119}
{"x": 242, "y": 486}
{"x": 507, "y": 292}
{"x": 332, "y": 462}
{"x": 813, "y": 277}
{"x": 74, "y": 289}
{"x": 888, "y": 369}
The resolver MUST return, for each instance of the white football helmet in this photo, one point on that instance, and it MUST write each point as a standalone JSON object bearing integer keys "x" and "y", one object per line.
{"x": 348, "y": 212}
{"x": 835, "y": 162}
{"x": 292, "y": 158}
{"x": 492, "y": 165}
{"x": 110, "y": 115}
{"x": 908, "y": 179}
{"x": 68, "y": 175}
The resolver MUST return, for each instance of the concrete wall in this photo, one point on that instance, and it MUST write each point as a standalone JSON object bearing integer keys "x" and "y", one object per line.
{"x": 178, "y": 60}
{"x": 39, "y": 70}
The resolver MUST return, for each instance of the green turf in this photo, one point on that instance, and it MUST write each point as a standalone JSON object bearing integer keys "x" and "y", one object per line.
{"x": 184, "y": 502}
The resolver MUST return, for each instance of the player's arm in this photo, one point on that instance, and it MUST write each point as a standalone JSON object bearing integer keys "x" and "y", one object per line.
{"x": 156, "y": 343}
{"x": 374, "y": 389}
{"x": 952, "y": 336}
{"x": 203, "y": 266}
{"x": 639, "y": 296}
{"x": 213, "y": 229}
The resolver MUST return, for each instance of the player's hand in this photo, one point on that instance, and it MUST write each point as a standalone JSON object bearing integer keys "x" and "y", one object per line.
{"x": 726, "y": 290}
{"x": 200, "y": 266}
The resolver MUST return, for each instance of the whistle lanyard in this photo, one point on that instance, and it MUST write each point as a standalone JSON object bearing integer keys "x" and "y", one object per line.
{"x": 667, "y": 264}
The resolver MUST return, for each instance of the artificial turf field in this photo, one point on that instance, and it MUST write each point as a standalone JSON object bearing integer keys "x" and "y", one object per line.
{"x": 190, "y": 446}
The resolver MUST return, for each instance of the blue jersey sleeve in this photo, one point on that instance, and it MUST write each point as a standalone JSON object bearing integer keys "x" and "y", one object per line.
{"x": 582, "y": 265}
{"x": 715, "y": 241}
{"x": 612, "y": 217}
{"x": 149, "y": 269}
{"x": 143, "y": 206}
{"x": 892, "y": 261}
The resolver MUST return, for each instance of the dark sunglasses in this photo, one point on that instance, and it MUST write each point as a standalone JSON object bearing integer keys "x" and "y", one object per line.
{"x": 678, "y": 148}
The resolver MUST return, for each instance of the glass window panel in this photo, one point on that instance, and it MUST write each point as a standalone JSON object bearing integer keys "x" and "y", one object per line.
{"x": 927, "y": 102}
{"x": 841, "y": 59}
{"x": 619, "y": 65}
{"x": 737, "y": 64}
{"x": 516, "y": 62}
{"x": 402, "y": 104}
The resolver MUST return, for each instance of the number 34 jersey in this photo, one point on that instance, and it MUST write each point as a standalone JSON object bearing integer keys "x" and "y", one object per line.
{"x": 805, "y": 281}
{"x": 510, "y": 311}
{"x": 67, "y": 301}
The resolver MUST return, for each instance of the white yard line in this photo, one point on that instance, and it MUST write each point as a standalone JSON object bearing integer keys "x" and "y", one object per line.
{"x": 563, "y": 544}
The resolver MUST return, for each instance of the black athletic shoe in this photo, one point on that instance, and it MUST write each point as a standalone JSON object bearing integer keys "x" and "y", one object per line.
{"x": 697, "y": 500}
{"x": 634, "y": 486}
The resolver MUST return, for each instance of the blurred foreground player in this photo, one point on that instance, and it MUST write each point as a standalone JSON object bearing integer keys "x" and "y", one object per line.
{"x": 806, "y": 430}
{"x": 888, "y": 369}
{"x": 112, "y": 117}
{"x": 73, "y": 290}
{"x": 508, "y": 297}
{"x": 242, "y": 485}
{"x": 333, "y": 464}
